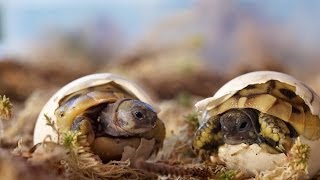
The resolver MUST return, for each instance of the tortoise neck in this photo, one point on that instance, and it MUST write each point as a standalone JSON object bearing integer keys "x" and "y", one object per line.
{"x": 109, "y": 120}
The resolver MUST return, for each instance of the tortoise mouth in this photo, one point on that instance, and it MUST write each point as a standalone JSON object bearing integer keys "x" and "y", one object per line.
{"x": 234, "y": 140}
{"x": 146, "y": 126}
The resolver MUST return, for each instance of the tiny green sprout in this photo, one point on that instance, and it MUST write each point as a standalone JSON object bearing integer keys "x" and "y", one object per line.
{"x": 52, "y": 124}
{"x": 192, "y": 120}
{"x": 49, "y": 121}
{"x": 227, "y": 175}
{"x": 5, "y": 107}
{"x": 70, "y": 138}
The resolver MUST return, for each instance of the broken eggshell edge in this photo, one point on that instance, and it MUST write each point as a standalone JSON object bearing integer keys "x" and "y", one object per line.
{"x": 251, "y": 158}
{"x": 42, "y": 130}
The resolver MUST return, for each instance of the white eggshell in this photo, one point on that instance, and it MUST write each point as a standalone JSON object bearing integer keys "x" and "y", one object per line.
{"x": 42, "y": 130}
{"x": 251, "y": 158}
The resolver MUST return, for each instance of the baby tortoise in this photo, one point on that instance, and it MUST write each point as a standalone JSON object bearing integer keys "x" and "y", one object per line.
{"x": 109, "y": 114}
{"x": 267, "y": 108}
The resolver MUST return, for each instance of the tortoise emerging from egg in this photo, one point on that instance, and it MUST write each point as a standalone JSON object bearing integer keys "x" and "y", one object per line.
{"x": 111, "y": 111}
{"x": 252, "y": 121}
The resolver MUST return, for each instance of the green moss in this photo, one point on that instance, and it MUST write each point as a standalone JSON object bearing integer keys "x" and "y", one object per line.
{"x": 70, "y": 139}
{"x": 227, "y": 175}
{"x": 193, "y": 120}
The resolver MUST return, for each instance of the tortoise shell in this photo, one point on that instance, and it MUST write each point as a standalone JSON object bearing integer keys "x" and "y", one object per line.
{"x": 117, "y": 85}
{"x": 80, "y": 101}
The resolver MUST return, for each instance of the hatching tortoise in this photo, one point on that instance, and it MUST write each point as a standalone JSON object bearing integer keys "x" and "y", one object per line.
{"x": 112, "y": 111}
{"x": 264, "y": 110}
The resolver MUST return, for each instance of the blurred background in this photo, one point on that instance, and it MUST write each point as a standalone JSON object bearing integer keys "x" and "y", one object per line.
{"x": 171, "y": 47}
{"x": 179, "y": 51}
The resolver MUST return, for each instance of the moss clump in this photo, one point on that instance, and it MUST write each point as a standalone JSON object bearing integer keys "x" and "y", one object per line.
{"x": 5, "y": 107}
{"x": 227, "y": 175}
{"x": 193, "y": 120}
{"x": 70, "y": 139}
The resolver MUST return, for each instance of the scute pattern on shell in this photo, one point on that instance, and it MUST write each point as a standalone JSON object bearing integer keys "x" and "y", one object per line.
{"x": 80, "y": 101}
{"x": 277, "y": 99}
{"x": 259, "y": 77}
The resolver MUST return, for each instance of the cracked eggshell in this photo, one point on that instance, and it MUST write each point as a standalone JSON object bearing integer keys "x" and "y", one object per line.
{"x": 250, "y": 158}
{"x": 237, "y": 156}
{"x": 42, "y": 130}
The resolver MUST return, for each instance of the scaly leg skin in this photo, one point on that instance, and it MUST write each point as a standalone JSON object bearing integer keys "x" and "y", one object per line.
{"x": 208, "y": 137}
{"x": 276, "y": 132}
{"x": 83, "y": 124}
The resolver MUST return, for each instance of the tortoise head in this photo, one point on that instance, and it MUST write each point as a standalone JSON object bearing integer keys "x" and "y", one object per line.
{"x": 240, "y": 126}
{"x": 128, "y": 117}
{"x": 138, "y": 116}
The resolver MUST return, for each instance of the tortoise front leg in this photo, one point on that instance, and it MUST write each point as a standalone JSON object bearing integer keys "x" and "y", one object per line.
{"x": 276, "y": 132}
{"x": 208, "y": 137}
{"x": 83, "y": 124}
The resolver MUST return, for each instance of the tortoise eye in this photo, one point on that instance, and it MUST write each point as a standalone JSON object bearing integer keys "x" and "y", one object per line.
{"x": 243, "y": 125}
{"x": 138, "y": 115}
